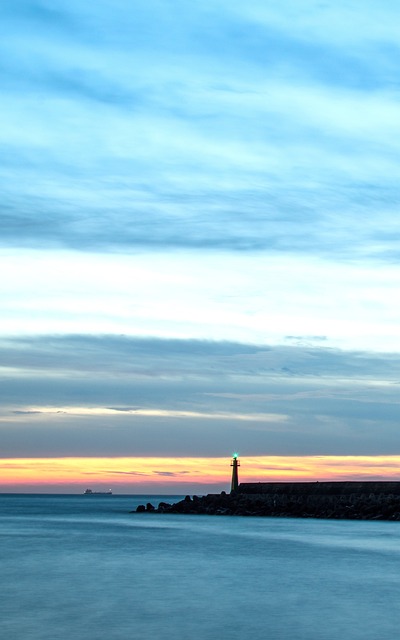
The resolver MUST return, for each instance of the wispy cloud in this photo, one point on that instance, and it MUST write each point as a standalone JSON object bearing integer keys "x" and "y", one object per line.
{"x": 152, "y": 413}
{"x": 232, "y": 129}
{"x": 115, "y": 394}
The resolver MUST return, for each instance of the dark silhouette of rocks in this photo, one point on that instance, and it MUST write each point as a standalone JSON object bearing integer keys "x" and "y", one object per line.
{"x": 140, "y": 509}
{"x": 338, "y": 500}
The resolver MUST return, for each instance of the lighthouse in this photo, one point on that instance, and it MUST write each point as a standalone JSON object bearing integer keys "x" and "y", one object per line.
{"x": 235, "y": 476}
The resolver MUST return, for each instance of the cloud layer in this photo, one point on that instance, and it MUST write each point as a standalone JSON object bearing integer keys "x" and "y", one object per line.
{"x": 222, "y": 127}
{"x": 101, "y": 396}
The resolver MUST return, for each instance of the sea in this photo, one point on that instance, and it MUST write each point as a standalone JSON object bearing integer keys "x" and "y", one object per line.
{"x": 83, "y": 567}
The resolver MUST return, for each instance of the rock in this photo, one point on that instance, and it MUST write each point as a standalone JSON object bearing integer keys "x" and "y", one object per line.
{"x": 163, "y": 506}
{"x": 140, "y": 509}
{"x": 341, "y": 500}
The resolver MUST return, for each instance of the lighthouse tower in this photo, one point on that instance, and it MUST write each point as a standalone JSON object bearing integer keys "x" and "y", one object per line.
{"x": 235, "y": 477}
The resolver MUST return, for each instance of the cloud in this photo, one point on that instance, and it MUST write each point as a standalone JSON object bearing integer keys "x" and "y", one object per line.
{"x": 159, "y": 412}
{"x": 177, "y": 397}
{"x": 265, "y": 135}
{"x": 172, "y": 474}
{"x": 239, "y": 298}
{"x": 306, "y": 339}
{"x": 27, "y": 412}
{"x": 127, "y": 473}
{"x": 123, "y": 409}
{"x": 111, "y": 355}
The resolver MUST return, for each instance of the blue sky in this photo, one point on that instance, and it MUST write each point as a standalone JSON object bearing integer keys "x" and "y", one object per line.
{"x": 199, "y": 228}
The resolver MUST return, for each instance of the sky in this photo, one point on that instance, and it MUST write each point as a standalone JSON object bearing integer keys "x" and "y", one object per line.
{"x": 199, "y": 243}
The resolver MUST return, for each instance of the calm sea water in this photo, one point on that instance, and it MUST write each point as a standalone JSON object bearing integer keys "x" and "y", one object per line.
{"x": 84, "y": 568}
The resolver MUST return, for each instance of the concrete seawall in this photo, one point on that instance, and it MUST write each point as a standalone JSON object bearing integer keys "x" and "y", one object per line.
{"x": 336, "y": 500}
{"x": 344, "y": 488}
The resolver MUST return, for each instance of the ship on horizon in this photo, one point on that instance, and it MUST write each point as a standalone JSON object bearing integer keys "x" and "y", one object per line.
{"x": 98, "y": 493}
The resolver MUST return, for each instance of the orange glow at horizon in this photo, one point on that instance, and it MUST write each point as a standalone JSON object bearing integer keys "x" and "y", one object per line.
{"x": 131, "y": 471}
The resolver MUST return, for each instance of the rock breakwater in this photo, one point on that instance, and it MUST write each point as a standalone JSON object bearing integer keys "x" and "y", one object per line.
{"x": 336, "y": 500}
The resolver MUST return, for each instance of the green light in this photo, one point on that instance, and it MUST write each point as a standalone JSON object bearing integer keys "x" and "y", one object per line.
{"x": 235, "y": 455}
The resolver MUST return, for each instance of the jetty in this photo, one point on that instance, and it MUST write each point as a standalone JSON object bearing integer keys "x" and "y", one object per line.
{"x": 332, "y": 500}
{"x": 351, "y": 500}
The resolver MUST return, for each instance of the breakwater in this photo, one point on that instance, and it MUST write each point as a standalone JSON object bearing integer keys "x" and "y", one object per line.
{"x": 339, "y": 500}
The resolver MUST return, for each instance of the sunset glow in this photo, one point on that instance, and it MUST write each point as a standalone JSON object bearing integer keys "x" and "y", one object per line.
{"x": 173, "y": 475}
